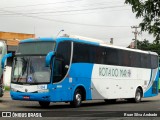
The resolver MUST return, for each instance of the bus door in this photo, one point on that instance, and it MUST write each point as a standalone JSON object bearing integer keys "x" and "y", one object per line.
{"x": 62, "y": 86}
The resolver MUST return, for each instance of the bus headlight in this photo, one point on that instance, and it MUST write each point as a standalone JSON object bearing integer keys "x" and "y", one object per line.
{"x": 42, "y": 91}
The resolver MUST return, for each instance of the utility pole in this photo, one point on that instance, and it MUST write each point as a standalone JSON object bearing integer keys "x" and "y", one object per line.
{"x": 34, "y": 31}
{"x": 135, "y": 34}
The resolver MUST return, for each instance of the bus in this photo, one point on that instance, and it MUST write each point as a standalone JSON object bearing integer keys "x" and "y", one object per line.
{"x": 3, "y": 51}
{"x": 74, "y": 69}
{"x": 159, "y": 79}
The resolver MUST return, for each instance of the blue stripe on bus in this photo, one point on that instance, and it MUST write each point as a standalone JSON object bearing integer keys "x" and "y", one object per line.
{"x": 37, "y": 40}
{"x": 60, "y": 39}
{"x": 150, "y": 79}
{"x": 32, "y": 96}
{"x": 149, "y": 93}
{"x": 76, "y": 40}
{"x": 82, "y": 73}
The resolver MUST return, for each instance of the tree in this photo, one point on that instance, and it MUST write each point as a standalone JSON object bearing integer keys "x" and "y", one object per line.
{"x": 146, "y": 46}
{"x": 155, "y": 48}
{"x": 143, "y": 45}
{"x": 149, "y": 10}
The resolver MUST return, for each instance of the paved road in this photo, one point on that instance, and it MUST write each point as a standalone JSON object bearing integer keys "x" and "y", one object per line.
{"x": 98, "y": 108}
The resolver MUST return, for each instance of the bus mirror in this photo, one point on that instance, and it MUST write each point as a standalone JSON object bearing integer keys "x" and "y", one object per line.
{"x": 67, "y": 66}
{"x": 4, "y": 59}
{"x": 49, "y": 57}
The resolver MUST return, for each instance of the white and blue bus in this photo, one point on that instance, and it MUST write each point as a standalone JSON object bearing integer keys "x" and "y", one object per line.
{"x": 3, "y": 51}
{"x": 73, "y": 69}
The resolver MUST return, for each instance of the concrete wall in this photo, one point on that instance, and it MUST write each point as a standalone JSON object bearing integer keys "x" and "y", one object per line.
{"x": 7, "y": 76}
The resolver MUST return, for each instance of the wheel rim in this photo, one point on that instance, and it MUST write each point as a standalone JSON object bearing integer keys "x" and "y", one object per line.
{"x": 138, "y": 96}
{"x": 78, "y": 98}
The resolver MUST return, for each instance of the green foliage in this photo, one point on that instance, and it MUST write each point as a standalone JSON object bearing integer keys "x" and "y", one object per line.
{"x": 149, "y": 10}
{"x": 7, "y": 88}
{"x": 145, "y": 45}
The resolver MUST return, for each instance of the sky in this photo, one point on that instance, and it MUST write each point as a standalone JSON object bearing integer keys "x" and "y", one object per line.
{"x": 102, "y": 19}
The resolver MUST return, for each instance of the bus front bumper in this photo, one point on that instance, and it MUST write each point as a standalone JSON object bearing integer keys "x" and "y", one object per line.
{"x": 30, "y": 96}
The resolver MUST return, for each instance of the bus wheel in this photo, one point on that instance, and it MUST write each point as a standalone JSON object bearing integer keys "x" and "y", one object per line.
{"x": 138, "y": 96}
{"x": 44, "y": 104}
{"x": 77, "y": 100}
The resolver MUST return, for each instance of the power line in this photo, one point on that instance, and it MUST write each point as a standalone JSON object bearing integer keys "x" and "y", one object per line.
{"x": 88, "y": 12}
{"x": 44, "y": 9}
{"x": 54, "y": 20}
{"x": 98, "y": 8}
{"x": 41, "y": 4}
{"x": 71, "y": 6}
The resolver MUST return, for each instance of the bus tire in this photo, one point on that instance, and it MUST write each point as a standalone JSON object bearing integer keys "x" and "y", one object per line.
{"x": 138, "y": 96}
{"x": 1, "y": 91}
{"x": 77, "y": 99}
{"x": 44, "y": 104}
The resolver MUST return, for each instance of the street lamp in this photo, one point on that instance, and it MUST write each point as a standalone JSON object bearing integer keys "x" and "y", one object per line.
{"x": 59, "y": 32}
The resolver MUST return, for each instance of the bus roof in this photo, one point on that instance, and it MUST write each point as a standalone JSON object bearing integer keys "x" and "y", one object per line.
{"x": 37, "y": 40}
{"x": 84, "y": 40}
{"x": 129, "y": 49}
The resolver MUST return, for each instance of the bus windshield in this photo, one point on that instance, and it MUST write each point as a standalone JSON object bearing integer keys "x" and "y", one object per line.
{"x": 30, "y": 70}
{"x": 36, "y": 48}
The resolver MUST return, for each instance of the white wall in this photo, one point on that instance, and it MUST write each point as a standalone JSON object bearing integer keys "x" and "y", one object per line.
{"x": 7, "y": 76}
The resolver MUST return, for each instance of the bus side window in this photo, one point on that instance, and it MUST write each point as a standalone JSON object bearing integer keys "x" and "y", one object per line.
{"x": 135, "y": 59}
{"x": 112, "y": 56}
{"x": 145, "y": 62}
{"x": 154, "y": 61}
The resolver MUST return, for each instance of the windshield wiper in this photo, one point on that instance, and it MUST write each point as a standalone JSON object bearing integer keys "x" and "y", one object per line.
{"x": 18, "y": 78}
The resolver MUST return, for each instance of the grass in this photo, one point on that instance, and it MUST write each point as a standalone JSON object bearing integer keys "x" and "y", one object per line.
{"x": 7, "y": 88}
